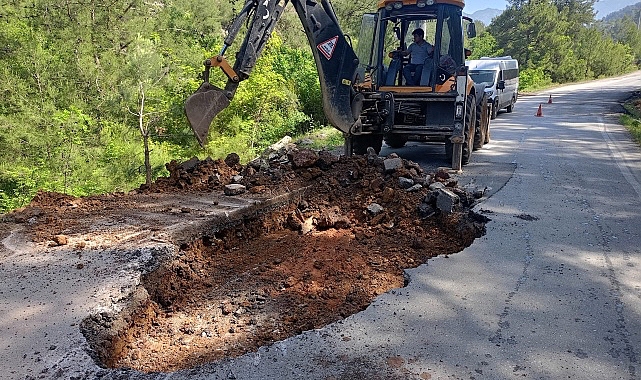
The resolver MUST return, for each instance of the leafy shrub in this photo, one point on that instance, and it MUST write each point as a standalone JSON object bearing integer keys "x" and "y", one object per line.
{"x": 530, "y": 79}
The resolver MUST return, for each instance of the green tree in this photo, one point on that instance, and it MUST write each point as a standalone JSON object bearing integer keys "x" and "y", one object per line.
{"x": 484, "y": 45}
{"x": 627, "y": 30}
{"x": 142, "y": 91}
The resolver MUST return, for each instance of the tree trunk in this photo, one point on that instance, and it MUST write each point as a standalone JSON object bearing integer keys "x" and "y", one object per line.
{"x": 144, "y": 131}
{"x": 145, "y": 140}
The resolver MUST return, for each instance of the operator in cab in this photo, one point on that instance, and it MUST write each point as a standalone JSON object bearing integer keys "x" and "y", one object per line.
{"x": 419, "y": 51}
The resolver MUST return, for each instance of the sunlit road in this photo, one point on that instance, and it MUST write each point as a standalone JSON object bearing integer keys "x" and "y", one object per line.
{"x": 552, "y": 291}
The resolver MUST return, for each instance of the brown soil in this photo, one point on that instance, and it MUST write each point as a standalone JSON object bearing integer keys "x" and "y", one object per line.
{"x": 308, "y": 263}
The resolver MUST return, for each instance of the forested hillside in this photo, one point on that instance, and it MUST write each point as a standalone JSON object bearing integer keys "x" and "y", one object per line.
{"x": 88, "y": 87}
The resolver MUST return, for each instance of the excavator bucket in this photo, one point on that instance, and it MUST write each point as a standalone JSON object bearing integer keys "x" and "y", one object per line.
{"x": 202, "y": 107}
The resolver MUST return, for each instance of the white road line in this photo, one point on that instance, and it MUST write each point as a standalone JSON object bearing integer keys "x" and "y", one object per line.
{"x": 619, "y": 158}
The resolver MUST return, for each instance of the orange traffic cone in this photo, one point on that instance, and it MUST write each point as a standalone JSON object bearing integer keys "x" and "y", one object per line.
{"x": 550, "y": 100}
{"x": 539, "y": 113}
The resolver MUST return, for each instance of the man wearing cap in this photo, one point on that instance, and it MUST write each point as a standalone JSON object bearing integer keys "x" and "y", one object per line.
{"x": 419, "y": 51}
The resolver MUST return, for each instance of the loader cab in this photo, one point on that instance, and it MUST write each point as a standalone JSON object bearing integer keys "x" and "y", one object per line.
{"x": 389, "y": 31}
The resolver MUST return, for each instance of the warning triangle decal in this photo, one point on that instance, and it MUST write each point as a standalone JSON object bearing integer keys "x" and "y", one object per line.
{"x": 328, "y": 47}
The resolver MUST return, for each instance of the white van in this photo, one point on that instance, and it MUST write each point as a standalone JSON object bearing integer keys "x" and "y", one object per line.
{"x": 501, "y": 78}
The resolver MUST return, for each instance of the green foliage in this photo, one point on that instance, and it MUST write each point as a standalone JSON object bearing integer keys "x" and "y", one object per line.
{"x": 532, "y": 79}
{"x": 626, "y": 31}
{"x": 633, "y": 124}
{"x": 484, "y": 45}
{"x": 323, "y": 138}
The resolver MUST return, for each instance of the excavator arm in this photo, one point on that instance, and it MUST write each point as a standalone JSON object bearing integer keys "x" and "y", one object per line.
{"x": 335, "y": 59}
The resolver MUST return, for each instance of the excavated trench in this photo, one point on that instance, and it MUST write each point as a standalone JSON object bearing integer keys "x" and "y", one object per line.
{"x": 308, "y": 263}
{"x": 262, "y": 282}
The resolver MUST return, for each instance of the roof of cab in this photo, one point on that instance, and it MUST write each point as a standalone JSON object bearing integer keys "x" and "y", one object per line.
{"x": 383, "y": 3}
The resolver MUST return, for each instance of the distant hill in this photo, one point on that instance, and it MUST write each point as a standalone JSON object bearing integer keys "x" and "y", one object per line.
{"x": 605, "y": 8}
{"x": 485, "y": 15}
{"x": 631, "y": 10}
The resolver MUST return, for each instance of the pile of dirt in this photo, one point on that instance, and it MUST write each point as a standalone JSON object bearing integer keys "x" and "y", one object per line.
{"x": 358, "y": 223}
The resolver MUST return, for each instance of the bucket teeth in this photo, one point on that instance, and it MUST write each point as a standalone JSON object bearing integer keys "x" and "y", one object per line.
{"x": 202, "y": 107}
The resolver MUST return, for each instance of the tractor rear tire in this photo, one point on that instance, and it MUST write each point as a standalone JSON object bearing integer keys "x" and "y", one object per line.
{"x": 482, "y": 124}
{"x": 470, "y": 125}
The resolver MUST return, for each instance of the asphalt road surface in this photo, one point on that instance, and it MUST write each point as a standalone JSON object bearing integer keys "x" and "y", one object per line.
{"x": 552, "y": 291}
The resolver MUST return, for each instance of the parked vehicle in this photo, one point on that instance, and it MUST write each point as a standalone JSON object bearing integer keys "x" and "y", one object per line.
{"x": 501, "y": 78}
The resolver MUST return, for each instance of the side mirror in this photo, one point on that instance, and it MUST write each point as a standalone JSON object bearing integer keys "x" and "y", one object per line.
{"x": 500, "y": 85}
{"x": 468, "y": 53}
{"x": 471, "y": 30}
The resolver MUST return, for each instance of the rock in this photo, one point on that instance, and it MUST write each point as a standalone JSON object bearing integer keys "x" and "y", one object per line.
{"x": 377, "y": 183}
{"x": 425, "y": 210}
{"x": 61, "y": 240}
{"x": 405, "y": 183}
{"x": 372, "y": 157}
{"x": 250, "y": 171}
{"x": 375, "y": 209}
{"x": 422, "y": 180}
{"x": 234, "y": 189}
{"x": 305, "y": 142}
{"x": 436, "y": 186}
{"x": 392, "y": 164}
{"x": 414, "y": 188}
{"x": 307, "y": 226}
{"x": 257, "y": 189}
{"x": 479, "y": 193}
{"x": 303, "y": 158}
{"x": 190, "y": 164}
{"x": 332, "y": 218}
{"x": 326, "y": 160}
{"x": 227, "y": 308}
{"x": 232, "y": 160}
{"x": 388, "y": 194}
{"x": 236, "y": 178}
{"x": 281, "y": 143}
{"x": 258, "y": 163}
{"x": 413, "y": 165}
{"x": 446, "y": 201}
{"x": 442, "y": 175}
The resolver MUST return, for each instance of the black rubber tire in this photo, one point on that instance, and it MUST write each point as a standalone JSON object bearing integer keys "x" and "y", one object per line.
{"x": 449, "y": 147}
{"x": 362, "y": 142}
{"x": 396, "y": 141}
{"x": 487, "y": 133}
{"x": 510, "y": 108}
{"x": 470, "y": 124}
{"x": 482, "y": 123}
{"x": 495, "y": 109}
